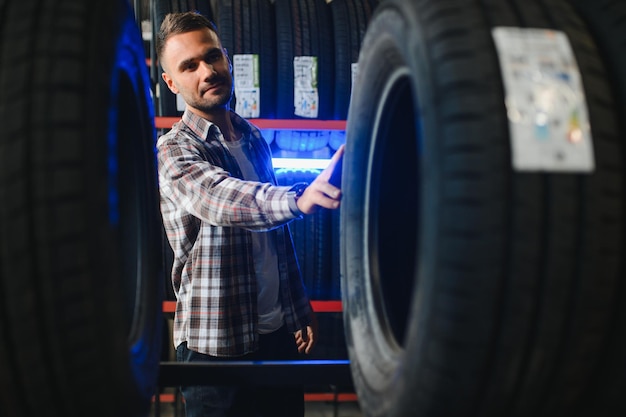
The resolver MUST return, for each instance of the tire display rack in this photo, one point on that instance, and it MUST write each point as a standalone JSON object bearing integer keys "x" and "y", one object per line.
{"x": 330, "y": 378}
{"x": 242, "y": 25}
{"x": 278, "y": 32}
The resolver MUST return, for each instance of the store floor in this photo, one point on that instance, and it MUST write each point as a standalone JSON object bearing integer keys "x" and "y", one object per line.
{"x": 312, "y": 409}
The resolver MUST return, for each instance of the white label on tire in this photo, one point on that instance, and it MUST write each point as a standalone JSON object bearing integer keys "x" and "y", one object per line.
{"x": 247, "y": 85}
{"x": 545, "y": 101}
{"x": 305, "y": 94}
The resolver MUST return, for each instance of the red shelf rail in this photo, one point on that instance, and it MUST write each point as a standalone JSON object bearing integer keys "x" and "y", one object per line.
{"x": 162, "y": 122}
{"x": 309, "y": 396}
{"x": 330, "y": 306}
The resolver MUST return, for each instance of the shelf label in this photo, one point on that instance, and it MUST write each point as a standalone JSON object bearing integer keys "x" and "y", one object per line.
{"x": 247, "y": 85}
{"x": 545, "y": 101}
{"x": 305, "y": 94}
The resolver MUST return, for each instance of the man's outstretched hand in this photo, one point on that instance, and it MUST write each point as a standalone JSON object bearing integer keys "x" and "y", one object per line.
{"x": 321, "y": 193}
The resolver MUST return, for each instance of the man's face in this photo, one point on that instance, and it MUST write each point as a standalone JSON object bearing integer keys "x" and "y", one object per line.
{"x": 196, "y": 67}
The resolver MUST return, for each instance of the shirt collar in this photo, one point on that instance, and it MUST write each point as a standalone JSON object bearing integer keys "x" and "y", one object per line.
{"x": 202, "y": 127}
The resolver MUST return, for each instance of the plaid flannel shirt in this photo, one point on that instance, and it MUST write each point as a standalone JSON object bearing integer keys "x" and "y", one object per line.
{"x": 209, "y": 213}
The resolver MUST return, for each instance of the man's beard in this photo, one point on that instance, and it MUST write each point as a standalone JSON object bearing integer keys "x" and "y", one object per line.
{"x": 208, "y": 105}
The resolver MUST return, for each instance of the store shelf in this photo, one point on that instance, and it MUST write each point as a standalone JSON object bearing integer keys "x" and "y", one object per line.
{"x": 310, "y": 372}
{"x": 331, "y": 306}
{"x": 309, "y": 396}
{"x": 324, "y": 374}
{"x": 275, "y": 124}
{"x": 330, "y": 373}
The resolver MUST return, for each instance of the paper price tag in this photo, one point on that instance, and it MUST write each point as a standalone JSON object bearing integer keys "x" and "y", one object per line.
{"x": 306, "y": 95}
{"x": 545, "y": 101}
{"x": 247, "y": 88}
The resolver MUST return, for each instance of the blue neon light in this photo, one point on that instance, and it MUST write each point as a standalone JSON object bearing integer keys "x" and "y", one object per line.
{"x": 300, "y": 163}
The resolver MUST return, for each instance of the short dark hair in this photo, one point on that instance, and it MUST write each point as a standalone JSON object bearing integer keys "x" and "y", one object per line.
{"x": 177, "y": 23}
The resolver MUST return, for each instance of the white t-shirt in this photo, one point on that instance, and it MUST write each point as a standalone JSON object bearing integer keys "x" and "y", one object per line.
{"x": 264, "y": 253}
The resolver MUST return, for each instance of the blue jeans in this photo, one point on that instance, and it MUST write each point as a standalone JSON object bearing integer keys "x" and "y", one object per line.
{"x": 246, "y": 401}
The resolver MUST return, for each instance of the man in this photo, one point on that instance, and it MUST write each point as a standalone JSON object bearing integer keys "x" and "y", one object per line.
{"x": 235, "y": 275}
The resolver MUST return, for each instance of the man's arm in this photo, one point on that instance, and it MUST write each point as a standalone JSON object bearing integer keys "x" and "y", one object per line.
{"x": 208, "y": 192}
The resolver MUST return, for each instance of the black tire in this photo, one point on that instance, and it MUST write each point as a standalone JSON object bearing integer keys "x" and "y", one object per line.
{"x": 248, "y": 27}
{"x": 312, "y": 237}
{"x": 499, "y": 298}
{"x": 80, "y": 286}
{"x": 350, "y": 19}
{"x": 606, "y": 23}
{"x": 304, "y": 28}
{"x": 164, "y": 99}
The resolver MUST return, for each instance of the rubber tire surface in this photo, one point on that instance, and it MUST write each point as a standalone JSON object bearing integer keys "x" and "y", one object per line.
{"x": 350, "y": 19}
{"x": 605, "y": 19}
{"x": 80, "y": 285}
{"x": 312, "y": 236}
{"x": 500, "y": 295}
{"x": 248, "y": 27}
{"x": 304, "y": 28}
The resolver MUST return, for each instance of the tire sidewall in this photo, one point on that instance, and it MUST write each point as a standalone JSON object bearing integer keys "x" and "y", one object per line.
{"x": 125, "y": 206}
{"x": 383, "y": 370}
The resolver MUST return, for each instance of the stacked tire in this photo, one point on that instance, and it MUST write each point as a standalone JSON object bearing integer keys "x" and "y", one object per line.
{"x": 279, "y": 33}
{"x": 247, "y": 27}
